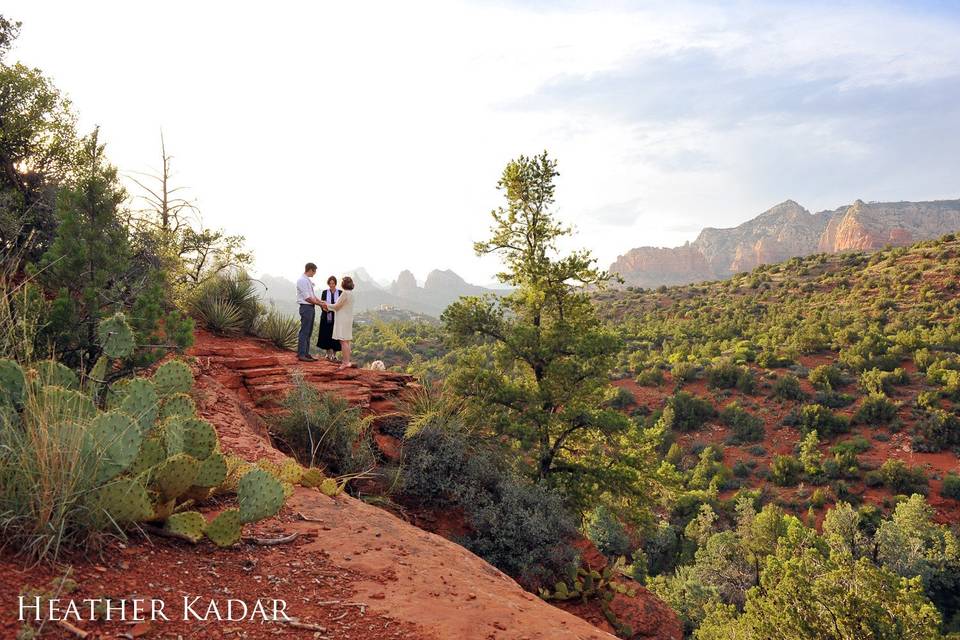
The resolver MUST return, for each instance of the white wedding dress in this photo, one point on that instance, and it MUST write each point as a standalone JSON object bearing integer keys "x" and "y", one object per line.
{"x": 343, "y": 320}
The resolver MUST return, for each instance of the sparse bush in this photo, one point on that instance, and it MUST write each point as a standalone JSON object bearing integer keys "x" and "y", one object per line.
{"x": 787, "y": 387}
{"x": 321, "y": 429}
{"x": 745, "y": 426}
{"x": 785, "y": 470}
{"x": 825, "y": 377}
{"x": 727, "y": 375}
{"x": 899, "y": 478}
{"x": 607, "y": 533}
{"x": 815, "y": 417}
{"x": 622, "y": 398}
{"x": 683, "y": 371}
{"x": 686, "y": 412}
{"x": 875, "y": 381}
{"x": 876, "y": 409}
{"x": 936, "y": 431}
{"x": 650, "y": 378}
{"x": 951, "y": 486}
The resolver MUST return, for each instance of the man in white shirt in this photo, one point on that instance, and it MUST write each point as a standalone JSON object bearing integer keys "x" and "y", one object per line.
{"x": 306, "y": 298}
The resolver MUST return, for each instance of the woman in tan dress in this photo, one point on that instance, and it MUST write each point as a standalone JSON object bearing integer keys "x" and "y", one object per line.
{"x": 343, "y": 319}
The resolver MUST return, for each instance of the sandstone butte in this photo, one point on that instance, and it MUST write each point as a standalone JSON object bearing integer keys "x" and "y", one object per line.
{"x": 785, "y": 231}
{"x": 354, "y": 571}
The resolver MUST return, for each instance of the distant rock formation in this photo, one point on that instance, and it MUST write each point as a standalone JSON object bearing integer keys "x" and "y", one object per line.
{"x": 785, "y": 231}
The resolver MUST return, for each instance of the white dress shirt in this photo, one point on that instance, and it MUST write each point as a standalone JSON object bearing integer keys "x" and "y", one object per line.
{"x": 304, "y": 290}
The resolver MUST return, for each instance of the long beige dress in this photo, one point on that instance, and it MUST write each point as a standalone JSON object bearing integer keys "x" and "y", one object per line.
{"x": 343, "y": 320}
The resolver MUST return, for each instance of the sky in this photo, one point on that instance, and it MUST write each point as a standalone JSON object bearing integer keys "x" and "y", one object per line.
{"x": 373, "y": 133}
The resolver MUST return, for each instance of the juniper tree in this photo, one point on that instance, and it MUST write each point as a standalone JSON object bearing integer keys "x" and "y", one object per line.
{"x": 534, "y": 364}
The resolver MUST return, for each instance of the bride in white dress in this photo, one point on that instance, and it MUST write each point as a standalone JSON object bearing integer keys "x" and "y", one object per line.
{"x": 343, "y": 320}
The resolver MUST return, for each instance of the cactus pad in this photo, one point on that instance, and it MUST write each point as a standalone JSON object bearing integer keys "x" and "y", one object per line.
{"x": 311, "y": 477}
{"x": 12, "y": 382}
{"x": 260, "y": 495}
{"x": 225, "y": 530}
{"x": 213, "y": 471}
{"x": 179, "y": 404}
{"x": 116, "y": 336}
{"x": 173, "y": 377}
{"x": 51, "y": 373}
{"x": 151, "y": 454}
{"x": 199, "y": 438}
{"x": 175, "y": 475}
{"x": 174, "y": 435}
{"x": 140, "y": 401}
{"x": 116, "y": 439}
{"x": 123, "y": 501}
{"x": 59, "y": 405}
{"x": 330, "y": 487}
{"x": 189, "y": 523}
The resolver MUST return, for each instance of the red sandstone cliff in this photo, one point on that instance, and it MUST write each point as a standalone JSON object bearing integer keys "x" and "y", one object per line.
{"x": 785, "y": 231}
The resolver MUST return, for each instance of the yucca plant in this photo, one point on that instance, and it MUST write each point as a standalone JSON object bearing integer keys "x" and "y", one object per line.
{"x": 228, "y": 304}
{"x": 430, "y": 405}
{"x": 280, "y": 329}
{"x": 220, "y": 316}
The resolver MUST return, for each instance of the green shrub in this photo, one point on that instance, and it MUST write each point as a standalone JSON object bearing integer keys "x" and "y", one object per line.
{"x": 220, "y": 316}
{"x": 936, "y": 431}
{"x": 785, "y": 470}
{"x": 523, "y": 529}
{"x": 787, "y": 387}
{"x": 833, "y": 399}
{"x": 683, "y": 371}
{"x": 876, "y": 409}
{"x": 901, "y": 479}
{"x": 951, "y": 486}
{"x": 686, "y": 412}
{"x": 650, "y": 378}
{"x": 815, "y": 417}
{"x": 825, "y": 377}
{"x": 745, "y": 426}
{"x": 322, "y": 429}
{"x": 875, "y": 381}
{"x": 622, "y": 398}
{"x": 727, "y": 375}
{"x": 607, "y": 533}
{"x": 281, "y": 330}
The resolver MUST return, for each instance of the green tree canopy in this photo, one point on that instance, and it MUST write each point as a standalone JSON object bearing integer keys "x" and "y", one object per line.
{"x": 534, "y": 364}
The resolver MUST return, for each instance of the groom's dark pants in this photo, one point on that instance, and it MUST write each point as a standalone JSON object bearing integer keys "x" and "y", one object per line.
{"x": 307, "y": 313}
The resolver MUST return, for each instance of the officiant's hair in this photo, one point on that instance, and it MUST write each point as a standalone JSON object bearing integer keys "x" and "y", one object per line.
{"x": 347, "y": 283}
{"x": 309, "y": 267}
{"x": 332, "y": 279}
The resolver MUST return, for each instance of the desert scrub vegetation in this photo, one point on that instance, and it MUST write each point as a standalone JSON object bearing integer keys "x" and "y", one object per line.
{"x": 81, "y": 459}
{"x": 323, "y": 430}
{"x": 686, "y": 412}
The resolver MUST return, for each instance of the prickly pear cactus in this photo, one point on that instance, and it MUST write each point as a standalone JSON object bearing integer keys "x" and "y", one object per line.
{"x": 330, "y": 487}
{"x": 140, "y": 401}
{"x": 116, "y": 337}
{"x": 175, "y": 475}
{"x": 179, "y": 404}
{"x": 115, "y": 439}
{"x": 260, "y": 496}
{"x": 187, "y": 523}
{"x": 213, "y": 471}
{"x": 12, "y": 383}
{"x": 312, "y": 477}
{"x": 151, "y": 454}
{"x": 173, "y": 377}
{"x": 199, "y": 437}
{"x": 225, "y": 530}
{"x": 50, "y": 373}
{"x": 122, "y": 501}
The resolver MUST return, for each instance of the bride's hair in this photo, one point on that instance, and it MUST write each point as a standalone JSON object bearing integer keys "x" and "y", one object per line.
{"x": 347, "y": 283}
